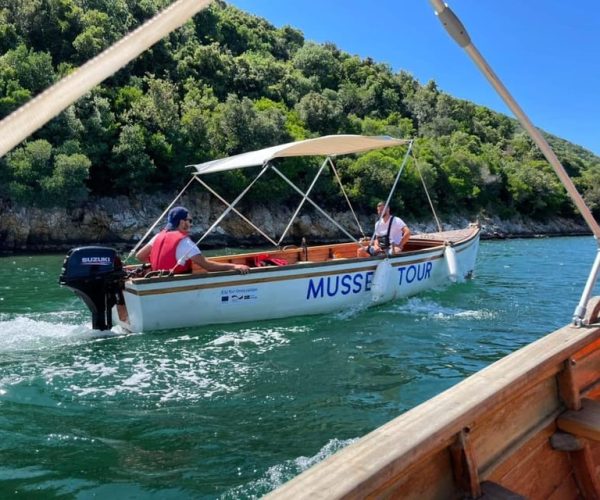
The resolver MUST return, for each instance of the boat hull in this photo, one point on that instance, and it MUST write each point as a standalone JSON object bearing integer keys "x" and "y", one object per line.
{"x": 304, "y": 288}
{"x": 527, "y": 426}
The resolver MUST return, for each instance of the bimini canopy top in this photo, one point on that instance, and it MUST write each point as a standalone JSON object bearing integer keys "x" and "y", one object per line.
{"x": 329, "y": 145}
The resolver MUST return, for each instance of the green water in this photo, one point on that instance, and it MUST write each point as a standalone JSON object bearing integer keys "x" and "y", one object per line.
{"x": 234, "y": 411}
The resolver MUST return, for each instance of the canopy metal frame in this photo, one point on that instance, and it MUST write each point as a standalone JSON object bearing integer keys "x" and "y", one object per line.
{"x": 389, "y": 198}
{"x": 305, "y": 197}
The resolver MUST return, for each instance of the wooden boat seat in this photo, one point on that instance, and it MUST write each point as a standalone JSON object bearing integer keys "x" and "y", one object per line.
{"x": 494, "y": 491}
{"x": 584, "y": 422}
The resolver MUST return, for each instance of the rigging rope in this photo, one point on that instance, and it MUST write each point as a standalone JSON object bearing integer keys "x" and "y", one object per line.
{"x": 346, "y": 196}
{"x": 437, "y": 221}
{"x": 387, "y": 202}
{"x": 139, "y": 243}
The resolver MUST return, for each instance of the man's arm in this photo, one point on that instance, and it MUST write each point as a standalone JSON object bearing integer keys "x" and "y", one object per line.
{"x": 405, "y": 238}
{"x": 143, "y": 254}
{"x": 218, "y": 266}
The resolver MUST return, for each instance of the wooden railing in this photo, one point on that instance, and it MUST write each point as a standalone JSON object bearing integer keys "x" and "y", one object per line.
{"x": 501, "y": 432}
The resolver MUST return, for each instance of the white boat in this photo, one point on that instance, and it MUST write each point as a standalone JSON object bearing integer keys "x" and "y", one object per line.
{"x": 314, "y": 280}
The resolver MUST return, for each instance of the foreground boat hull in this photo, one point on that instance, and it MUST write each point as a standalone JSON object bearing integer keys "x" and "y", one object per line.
{"x": 303, "y": 288}
{"x": 528, "y": 426}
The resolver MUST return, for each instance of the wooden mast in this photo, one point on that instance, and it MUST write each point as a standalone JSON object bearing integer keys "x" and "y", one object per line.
{"x": 457, "y": 31}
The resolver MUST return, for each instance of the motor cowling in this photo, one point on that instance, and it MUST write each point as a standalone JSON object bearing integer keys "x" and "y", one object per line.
{"x": 96, "y": 275}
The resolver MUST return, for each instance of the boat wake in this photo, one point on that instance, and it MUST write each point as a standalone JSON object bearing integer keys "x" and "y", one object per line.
{"x": 277, "y": 475}
{"x": 256, "y": 339}
{"x": 42, "y": 331}
{"x": 426, "y": 309}
{"x": 146, "y": 371}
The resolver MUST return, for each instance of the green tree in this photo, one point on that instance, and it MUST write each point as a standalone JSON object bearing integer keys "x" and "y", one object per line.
{"x": 9, "y": 37}
{"x": 132, "y": 167}
{"x": 95, "y": 35}
{"x": 67, "y": 184}
{"x": 536, "y": 190}
{"x": 423, "y": 104}
{"x": 238, "y": 126}
{"x": 589, "y": 186}
{"x": 322, "y": 112}
{"x": 23, "y": 73}
{"x": 373, "y": 176}
{"x": 37, "y": 177}
{"x": 318, "y": 62}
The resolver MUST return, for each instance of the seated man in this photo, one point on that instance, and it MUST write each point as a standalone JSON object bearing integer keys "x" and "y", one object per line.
{"x": 173, "y": 250}
{"x": 391, "y": 234}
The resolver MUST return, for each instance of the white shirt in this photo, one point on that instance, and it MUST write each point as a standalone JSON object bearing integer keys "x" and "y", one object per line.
{"x": 381, "y": 229}
{"x": 186, "y": 249}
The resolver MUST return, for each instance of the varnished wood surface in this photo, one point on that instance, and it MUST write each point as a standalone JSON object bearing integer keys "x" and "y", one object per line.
{"x": 584, "y": 422}
{"x": 510, "y": 410}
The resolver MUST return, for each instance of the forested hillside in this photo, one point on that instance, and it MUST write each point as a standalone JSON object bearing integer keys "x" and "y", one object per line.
{"x": 228, "y": 82}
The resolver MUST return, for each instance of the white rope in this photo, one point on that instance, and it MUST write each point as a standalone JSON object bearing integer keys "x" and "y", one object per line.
{"x": 139, "y": 243}
{"x": 458, "y": 32}
{"x": 346, "y": 196}
{"x": 31, "y": 116}
{"x": 437, "y": 221}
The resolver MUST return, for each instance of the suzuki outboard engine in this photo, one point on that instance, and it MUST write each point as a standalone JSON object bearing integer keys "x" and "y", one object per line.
{"x": 96, "y": 275}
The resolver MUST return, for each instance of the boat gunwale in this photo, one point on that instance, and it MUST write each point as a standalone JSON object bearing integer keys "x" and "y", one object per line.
{"x": 459, "y": 246}
{"x": 371, "y": 462}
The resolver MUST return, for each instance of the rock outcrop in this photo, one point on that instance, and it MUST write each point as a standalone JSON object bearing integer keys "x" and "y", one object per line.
{"x": 124, "y": 221}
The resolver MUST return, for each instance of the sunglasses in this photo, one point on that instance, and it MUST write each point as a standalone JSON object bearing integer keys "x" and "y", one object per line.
{"x": 189, "y": 220}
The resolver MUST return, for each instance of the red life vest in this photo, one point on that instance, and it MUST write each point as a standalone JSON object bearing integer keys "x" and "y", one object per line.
{"x": 163, "y": 255}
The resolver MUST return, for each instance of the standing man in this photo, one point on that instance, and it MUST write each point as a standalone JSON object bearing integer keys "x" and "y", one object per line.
{"x": 173, "y": 250}
{"x": 391, "y": 234}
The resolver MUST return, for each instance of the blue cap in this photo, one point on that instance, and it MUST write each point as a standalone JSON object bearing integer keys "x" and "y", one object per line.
{"x": 176, "y": 215}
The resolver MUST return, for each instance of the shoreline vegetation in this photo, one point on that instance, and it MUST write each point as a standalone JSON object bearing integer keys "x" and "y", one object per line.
{"x": 229, "y": 82}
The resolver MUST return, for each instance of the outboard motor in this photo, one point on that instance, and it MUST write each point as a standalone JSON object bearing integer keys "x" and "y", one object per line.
{"x": 96, "y": 275}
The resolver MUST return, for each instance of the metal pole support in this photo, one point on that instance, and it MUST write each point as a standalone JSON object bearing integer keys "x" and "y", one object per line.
{"x": 581, "y": 308}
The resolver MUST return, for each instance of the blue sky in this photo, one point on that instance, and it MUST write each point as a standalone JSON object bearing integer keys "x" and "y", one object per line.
{"x": 547, "y": 52}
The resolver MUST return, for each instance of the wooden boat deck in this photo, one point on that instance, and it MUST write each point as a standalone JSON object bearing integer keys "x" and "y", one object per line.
{"x": 528, "y": 426}
{"x": 452, "y": 236}
{"x": 322, "y": 253}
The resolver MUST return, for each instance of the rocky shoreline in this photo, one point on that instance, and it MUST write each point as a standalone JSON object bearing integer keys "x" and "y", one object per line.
{"x": 122, "y": 222}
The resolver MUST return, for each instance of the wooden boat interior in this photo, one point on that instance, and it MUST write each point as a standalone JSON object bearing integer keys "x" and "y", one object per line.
{"x": 335, "y": 251}
{"x": 318, "y": 254}
{"x": 527, "y": 426}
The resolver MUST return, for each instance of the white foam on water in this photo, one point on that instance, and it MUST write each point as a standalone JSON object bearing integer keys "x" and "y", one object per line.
{"x": 277, "y": 475}
{"x": 26, "y": 333}
{"x": 153, "y": 371}
{"x": 46, "y": 330}
{"x": 255, "y": 340}
{"x": 351, "y": 312}
{"x": 60, "y": 438}
{"x": 147, "y": 377}
{"x": 431, "y": 310}
{"x": 10, "y": 380}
